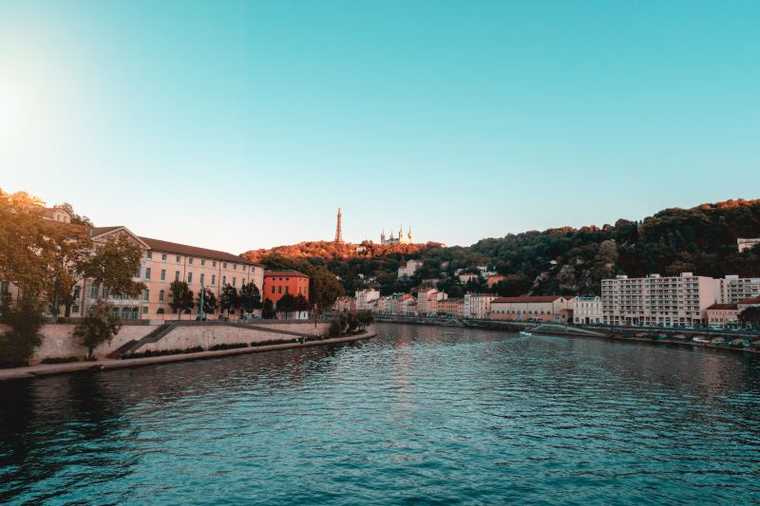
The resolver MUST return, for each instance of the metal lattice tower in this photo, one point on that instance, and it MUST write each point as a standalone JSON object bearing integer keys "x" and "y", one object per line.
{"x": 338, "y": 227}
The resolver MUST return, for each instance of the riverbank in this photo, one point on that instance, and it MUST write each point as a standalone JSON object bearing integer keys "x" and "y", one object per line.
{"x": 42, "y": 370}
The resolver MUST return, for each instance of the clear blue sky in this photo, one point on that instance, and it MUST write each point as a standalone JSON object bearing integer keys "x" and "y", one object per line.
{"x": 237, "y": 125}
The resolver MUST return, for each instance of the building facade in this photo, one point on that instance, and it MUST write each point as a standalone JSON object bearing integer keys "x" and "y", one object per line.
{"x": 655, "y": 301}
{"x": 477, "y": 305}
{"x": 278, "y": 283}
{"x": 734, "y": 289}
{"x": 401, "y": 238}
{"x": 722, "y": 315}
{"x": 532, "y": 308}
{"x": 587, "y": 310}
{"x": 366, "y": 300}
{"x": 747, "y": 244}
{"x": 409, "y": 268}
{"x": 451, "y": 307}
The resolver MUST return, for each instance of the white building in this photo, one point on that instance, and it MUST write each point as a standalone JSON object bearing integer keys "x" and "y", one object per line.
{"x": 658, "y": 301}
{"x": 407, "y": 270}
{"x": 747, "y": 244}
{"x": 477, "y": 305}
{"x": 734, "y": 289}
{"x": 400, "y": 239}
{"x": 366, "y": 300}
{"x": 587, "y": 310}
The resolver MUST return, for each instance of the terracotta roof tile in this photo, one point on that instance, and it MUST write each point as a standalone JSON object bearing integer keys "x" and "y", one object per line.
{"x": 193, "y": 251}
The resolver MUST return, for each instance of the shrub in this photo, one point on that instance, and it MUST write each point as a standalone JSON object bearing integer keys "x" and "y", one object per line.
{"x": 18, "y": 344}
{"x": 99, "y": 326}
{"x": 228, "y": 346}
{"x": 60, "y": 360}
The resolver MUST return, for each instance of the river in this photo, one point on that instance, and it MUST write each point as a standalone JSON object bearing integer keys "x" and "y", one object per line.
{"x": 419, "y": 415}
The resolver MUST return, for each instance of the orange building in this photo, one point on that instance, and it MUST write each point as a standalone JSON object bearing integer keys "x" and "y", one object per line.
{"x": 278, "y": 283}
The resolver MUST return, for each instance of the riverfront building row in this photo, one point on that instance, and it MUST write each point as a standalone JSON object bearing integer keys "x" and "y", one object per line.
{"x": 657, "y": 301}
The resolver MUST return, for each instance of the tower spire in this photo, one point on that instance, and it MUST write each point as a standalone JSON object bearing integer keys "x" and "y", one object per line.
{"x": 338, "y": 227}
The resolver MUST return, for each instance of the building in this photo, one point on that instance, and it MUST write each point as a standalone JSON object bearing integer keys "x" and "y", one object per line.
{"x": 532, "y": 308}
{"x": 722, "y": 315}
{"x": 162, "y": 263}
{"x": 366, "y": 300}
{"x": 477, "y": 305}
{"x": 734, "y": 289}
{"x": 587, "y": 310}
{"x": 278, "y": 283}
{"x": 747, "y": 303}
{"x": 402, "y": 304}
{"x": 343, "y": 304}
{"x": 467, "y": 277}
{"x": 400, "y": 239}
{"x": 494, "y": 279}
{"x": 655, "y": 301}
{"x": 339, "y": 227}
{"x": 409, "y": 268}
{"x": 451, "y": 307}
{"x": 57, "y": 213}
{"x": 427, "y": 300}
{"x": 747, "y": 244}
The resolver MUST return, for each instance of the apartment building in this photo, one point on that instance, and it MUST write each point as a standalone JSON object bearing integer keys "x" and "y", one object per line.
{"x": 427, "y": 300}
{"x": 477, "y": 305}
{"x": 451, "y": 307}
{"x": 587, "y": 310}
{"x": 670, "y": 301}
{"x": 734, "y": 289}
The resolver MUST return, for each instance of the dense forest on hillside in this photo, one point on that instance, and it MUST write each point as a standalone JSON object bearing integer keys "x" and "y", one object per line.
{"x": 569, "y": 260}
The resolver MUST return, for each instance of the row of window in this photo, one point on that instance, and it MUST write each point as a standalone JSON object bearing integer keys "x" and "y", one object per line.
{"x": 278, "y": 289}
{"x": 190, "y": 260}
{"x": 190, "y": 277}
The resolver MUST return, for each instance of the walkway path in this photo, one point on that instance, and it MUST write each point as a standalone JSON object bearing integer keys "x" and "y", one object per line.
{"x": 104, "y": 365}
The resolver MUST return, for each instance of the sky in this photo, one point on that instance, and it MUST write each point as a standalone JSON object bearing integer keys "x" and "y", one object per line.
{"x": 241, "y": 125}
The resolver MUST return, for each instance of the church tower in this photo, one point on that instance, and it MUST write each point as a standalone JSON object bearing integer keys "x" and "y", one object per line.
{"x": 338, "y": 228}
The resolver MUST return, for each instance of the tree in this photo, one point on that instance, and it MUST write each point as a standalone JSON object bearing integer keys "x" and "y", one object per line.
{"x": 182, "y": 297}
{"x": 229, "y": 299}
{"x": 250, "y": 297}
{"x": 99, "y": 326}
{"x": 25, "y": 320}
{"x": 209, "y": 301}
{"x": 324, "y": 288}
{"x": 286, "y": 304}
{"x": 301, "y": 304}
{"x": 750, "y": 316}
{"x": 268, "y": 310}
{"x": 113, "y": 265}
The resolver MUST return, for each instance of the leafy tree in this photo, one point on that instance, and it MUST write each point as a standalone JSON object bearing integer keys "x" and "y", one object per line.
{"x": 751, "y": 316}
{"x": 209, "y": 301}
{"x": 268, "y": 310}
{"x": 324, "y": 288}
{"x": 301, "y": 303}
{"x": 364, "y": 318}
{"x": 99, "y": 326}
{"x": 181, "y": 297}
{"x": 25, "y": 319}
{"x": 250, "y": 297}
{"x": 286, "y": 304}
{"x": 113, "y": 265}
{"x": 229, "y": 299}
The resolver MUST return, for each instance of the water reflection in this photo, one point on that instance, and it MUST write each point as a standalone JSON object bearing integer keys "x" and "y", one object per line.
{"x": 419, "y": 413}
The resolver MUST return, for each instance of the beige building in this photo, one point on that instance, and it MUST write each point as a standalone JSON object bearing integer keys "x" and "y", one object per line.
{"x": 722, "y": 315}
{"x": 366, "y": 300}
{"x": 409, "y": 268}
{"x": 747, "y": 244}
{"x": 451, "y": 307}
{"x": 734, "y": 289}
{"x": 656, "y": 301}
{"x": 477, "y": 305}
{"x": 532, "y": 308}
{"x": 162, "y": 263}
{"x": 427, "y": 300}
{"x": 587, "y": 310}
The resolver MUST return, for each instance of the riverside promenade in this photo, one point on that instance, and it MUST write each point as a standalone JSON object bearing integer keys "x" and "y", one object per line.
{"x": 42, "y": 370}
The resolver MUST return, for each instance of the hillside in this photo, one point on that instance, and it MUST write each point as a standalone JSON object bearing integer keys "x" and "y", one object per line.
{"x": 562, "y": 260}
{"x": 330, "y": 250}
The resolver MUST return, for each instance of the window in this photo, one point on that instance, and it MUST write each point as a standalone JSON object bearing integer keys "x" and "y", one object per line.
{"x": 213, "y": 279}
{"x": 163, "y": 257}
{"x": 213, "y": 263}
{"x": 4, "y": 287}
{"x": 146, "y": 294}
{"x": 179, "y": 259}
{"x": 202, "y": 277}
{"x": 147, "y": 273}
{"x": 189, "y": 277}
{"x": 161, "y": 296}
{"x": 234, "y": 281}
{"x": 224, "y": 265}
{"x": 203, "y": 261}
{"x": 234, "y": 267}
{"x": 176, "y": 275}
{"x": 224, "y": 280}
{"x": 145, "y": 309}
{"x": 148, "y": 254}
{"x": 273, "y": 290}
{"x": 94, "y": 292}
{"x": 190, "y": 260}
{"x": 163, "y": 274}
{"x": 279, "y": 289}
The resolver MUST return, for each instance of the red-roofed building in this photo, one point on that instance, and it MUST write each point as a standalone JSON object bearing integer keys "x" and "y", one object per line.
{"x": 532, "y": 308}
{"x": 722, "y": 315}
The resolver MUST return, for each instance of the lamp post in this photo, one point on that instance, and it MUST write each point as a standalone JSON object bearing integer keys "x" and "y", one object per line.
{"x": 201, "y": 304}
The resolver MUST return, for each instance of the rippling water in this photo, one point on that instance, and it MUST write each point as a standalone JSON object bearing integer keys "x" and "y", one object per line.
{"x": 418, "y": 416}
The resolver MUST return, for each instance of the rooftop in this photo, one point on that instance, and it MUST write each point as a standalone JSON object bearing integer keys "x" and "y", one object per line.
{"x": 193, "y": 251}
{"x": 723, "y": 306}
{"x": 288, "y": 272}
{"x": 537, "y": 299}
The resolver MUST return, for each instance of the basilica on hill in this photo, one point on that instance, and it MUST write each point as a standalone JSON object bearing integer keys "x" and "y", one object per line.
{"x": 400, "y": 239}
